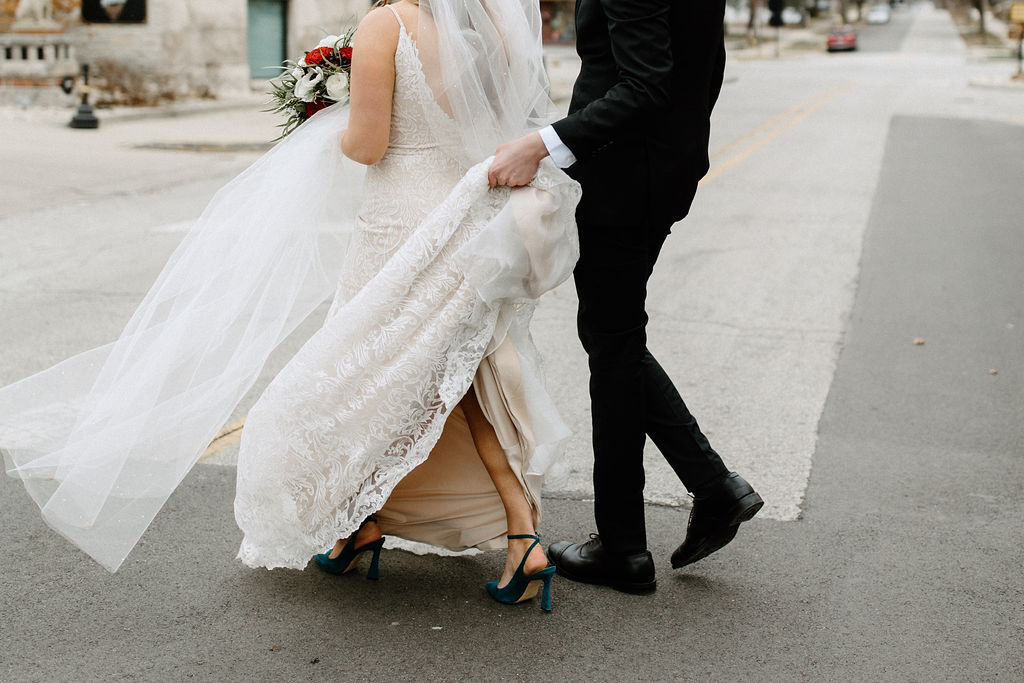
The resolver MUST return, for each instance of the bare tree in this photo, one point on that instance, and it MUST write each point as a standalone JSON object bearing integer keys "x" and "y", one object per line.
{"x": 982, "y": 7}
{"x": 752, "y": 23}
{"x": 843, "y": 8}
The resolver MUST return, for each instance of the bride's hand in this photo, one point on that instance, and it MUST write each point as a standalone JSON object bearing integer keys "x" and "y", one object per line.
{"x": 516, "y": 162}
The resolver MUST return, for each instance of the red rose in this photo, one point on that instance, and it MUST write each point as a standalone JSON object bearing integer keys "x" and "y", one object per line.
{"x": 314, "y": 106}
{"x": 318, "y": 55}
{"x": 346, "y": 53}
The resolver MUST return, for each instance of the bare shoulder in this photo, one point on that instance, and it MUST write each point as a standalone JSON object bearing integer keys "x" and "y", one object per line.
{"x": 377, "y": 30}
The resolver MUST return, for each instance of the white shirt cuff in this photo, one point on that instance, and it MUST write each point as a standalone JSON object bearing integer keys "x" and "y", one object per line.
{"x": 560, "y": 154}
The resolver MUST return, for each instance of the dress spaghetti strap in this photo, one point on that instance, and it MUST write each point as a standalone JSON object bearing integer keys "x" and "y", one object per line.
{"x": 398, "y": 16}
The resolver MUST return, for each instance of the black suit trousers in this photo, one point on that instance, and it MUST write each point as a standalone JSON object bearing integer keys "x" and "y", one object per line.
{"x": 631, "y": 395}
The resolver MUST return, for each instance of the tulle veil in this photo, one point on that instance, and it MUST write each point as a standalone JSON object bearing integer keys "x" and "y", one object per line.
{"x": 102, "y": 439}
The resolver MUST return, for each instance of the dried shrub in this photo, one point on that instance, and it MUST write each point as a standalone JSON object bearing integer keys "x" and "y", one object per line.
{"x": 117, "y": 83}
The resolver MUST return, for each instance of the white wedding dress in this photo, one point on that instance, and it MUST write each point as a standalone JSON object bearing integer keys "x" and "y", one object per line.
{"x": 435, "y": 277}
{"x": 364, "y": 418}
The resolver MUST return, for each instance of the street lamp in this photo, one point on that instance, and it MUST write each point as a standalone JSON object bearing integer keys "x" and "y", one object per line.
{"x": 85, "y": 118}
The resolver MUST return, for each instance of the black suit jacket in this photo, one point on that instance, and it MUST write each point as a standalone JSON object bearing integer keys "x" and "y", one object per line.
{"x": 639, "y": 119}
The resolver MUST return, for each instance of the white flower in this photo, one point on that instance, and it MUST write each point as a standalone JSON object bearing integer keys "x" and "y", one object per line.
{"x": 297, "y": 73}
{"x": 337, "y": 86}
{"x": 302, "y": 62}
{"x": 305, "y": 86}
{"x": 329, "y": 41}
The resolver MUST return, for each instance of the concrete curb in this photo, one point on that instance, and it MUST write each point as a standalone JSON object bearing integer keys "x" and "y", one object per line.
{"x": 185, "y": 108}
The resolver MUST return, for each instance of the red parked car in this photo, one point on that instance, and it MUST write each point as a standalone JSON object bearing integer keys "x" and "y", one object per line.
{"x": 841, "y": 38}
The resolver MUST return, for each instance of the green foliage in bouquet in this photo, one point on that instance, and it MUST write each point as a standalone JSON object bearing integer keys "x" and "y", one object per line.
{"x": 318, "y": 80}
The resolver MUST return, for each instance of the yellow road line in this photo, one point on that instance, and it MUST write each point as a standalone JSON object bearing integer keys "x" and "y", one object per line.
{"x": 781, "y": 123}
{"x": 228, "y": 437}
{"x": 763, "y": 127}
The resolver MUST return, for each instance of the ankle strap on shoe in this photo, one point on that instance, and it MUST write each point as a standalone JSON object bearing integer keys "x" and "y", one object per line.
{"x": 536, "y": 542}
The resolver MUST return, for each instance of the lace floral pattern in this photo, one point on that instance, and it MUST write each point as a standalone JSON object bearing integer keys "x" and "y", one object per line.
{"x": 365, "y": 400}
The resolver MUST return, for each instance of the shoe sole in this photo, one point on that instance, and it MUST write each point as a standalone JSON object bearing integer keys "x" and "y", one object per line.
{"x": 633, "y": 588}
{"x": 743, "y": 511}
{"x": 747, "y": 506}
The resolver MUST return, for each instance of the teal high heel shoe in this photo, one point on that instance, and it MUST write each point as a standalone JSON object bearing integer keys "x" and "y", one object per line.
{"x": 522, "y": 587}
{"x": 349, "y": 555}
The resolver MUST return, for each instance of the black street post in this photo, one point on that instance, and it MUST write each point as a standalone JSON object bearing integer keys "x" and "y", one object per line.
{"x": 85, "y": 118}
{"x": 776, "y": 7}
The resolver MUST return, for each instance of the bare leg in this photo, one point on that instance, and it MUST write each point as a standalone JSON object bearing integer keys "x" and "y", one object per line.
{"x": 518, "y": 514}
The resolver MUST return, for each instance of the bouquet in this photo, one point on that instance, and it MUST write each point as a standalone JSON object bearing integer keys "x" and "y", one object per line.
{"x": 316, "y": 81}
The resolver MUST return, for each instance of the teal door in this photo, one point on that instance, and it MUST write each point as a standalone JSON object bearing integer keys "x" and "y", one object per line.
{"x": 266, "y": 37}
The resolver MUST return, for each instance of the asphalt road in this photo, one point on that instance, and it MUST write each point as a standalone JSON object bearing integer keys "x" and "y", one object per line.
{"x": 886, "y": 37}
{"x": 915, "y": 505}
{"x": 905, "y": 566}
{"x": 856, "y": 203}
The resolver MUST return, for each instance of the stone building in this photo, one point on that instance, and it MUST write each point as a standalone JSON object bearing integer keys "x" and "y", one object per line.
{"x": 162, "y": 48}
{"x": 143, "y": 51}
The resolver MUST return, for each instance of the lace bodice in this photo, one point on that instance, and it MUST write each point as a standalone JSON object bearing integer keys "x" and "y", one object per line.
{"x": 414, "y": 175}
{"x": 410, "y": 125}
{"x": 417, "y": 122}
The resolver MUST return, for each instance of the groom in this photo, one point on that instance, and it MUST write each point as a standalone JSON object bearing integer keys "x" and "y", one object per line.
{"x": 636, "y": 139}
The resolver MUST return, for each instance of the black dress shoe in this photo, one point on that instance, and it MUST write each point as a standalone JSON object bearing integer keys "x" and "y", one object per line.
{"x": 718, "y": 510}
{"x": 591, "y": 562}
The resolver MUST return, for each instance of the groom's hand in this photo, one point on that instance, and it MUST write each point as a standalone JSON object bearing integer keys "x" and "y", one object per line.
{"x": 516, "y": 162}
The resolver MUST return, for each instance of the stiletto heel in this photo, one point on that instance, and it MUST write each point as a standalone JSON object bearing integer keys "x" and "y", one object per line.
{"x": 545, "y": 599}
{"x": 373, "y": 573}
{"x": 522, "y": 587}
{"x": 349, "y": 555}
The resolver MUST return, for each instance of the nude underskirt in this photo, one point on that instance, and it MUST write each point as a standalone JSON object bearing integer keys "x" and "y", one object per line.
{"x": 449, "y": 500}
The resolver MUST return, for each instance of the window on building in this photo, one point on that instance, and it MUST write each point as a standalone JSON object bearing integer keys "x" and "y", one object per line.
{"x": 114, "y": 11}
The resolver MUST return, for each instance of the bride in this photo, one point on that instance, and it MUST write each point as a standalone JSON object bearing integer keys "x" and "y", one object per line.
{"x": 418, "y": 409}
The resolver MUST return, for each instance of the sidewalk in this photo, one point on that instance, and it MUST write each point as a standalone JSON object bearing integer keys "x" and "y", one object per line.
{"x": 198, "y": 139}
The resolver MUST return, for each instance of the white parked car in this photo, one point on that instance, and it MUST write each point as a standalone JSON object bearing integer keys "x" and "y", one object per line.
{"x": 879, "y": 14}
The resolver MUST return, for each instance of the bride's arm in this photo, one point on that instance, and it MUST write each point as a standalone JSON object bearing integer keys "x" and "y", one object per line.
{"x": 372, "y": 86}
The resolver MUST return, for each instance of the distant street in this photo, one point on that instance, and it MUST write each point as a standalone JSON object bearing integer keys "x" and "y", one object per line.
{"x": 843, "y": 310}
{"x": 885, "y": 37}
